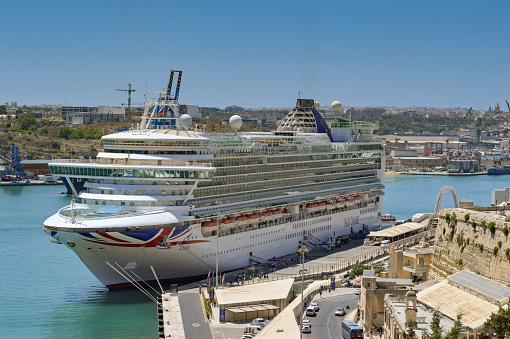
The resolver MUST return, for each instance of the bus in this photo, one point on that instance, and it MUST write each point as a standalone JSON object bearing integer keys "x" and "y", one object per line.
{"x": 351, "y": 330}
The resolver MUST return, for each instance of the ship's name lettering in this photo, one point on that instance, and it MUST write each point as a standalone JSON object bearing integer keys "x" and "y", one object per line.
{"x": 184, "y": 247}
{"x": 351, "y": 221}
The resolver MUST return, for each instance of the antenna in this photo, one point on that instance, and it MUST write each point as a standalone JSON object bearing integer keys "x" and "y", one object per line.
{"x": 129, "y": 90}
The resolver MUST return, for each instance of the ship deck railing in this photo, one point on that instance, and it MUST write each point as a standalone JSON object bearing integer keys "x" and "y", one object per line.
{"x": 75, "y": 214}
{"x": 132, "y": 162}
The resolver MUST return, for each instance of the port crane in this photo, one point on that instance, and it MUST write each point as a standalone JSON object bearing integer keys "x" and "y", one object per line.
{"x": 129, "y": 90}
{"x": 16, "y": 168}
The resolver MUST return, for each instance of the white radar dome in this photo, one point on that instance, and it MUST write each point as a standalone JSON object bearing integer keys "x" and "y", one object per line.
{"x": 186, "y": 120}
{"x": 316, "y": 105}
{"x": 236, "y": 122}
{"x": 336, "y": 106}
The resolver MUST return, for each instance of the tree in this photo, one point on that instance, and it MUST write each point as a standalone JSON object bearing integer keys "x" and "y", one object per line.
{"x": 497, "y": 326}
{"x": 27, "y": 122}
{"x": 435, "y": 326}
{"x": 357, "y": 270}
{"x": 3, "y": 109}
{"x": 64, "y": 132}
{"x": 455, "y": 331}
{"x": 410, "y": 333}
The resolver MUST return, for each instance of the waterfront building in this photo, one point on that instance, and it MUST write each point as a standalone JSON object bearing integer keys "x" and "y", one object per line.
{"x": 411, "y": 263}
{"x": 371, "y": 298}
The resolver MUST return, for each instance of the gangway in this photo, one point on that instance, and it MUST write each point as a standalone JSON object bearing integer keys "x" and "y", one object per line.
{"x": 308, "y": 244}
{"x": 311, "y": 238}
{"x": 258, "y": 260}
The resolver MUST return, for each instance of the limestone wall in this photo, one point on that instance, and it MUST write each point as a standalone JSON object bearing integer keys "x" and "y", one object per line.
{"x": 458, "y": 245}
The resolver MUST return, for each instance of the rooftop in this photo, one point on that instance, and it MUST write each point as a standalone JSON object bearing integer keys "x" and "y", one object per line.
{"x": 451, "y": 301}
{"x": 247, "y": 294}
{"x": 477, "y": 284}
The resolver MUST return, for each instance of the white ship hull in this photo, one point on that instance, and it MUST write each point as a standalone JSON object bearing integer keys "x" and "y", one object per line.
{"x": 193, "y": 256}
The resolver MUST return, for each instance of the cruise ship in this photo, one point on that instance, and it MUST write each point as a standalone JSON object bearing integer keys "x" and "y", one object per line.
{"x": 170, "y": 200}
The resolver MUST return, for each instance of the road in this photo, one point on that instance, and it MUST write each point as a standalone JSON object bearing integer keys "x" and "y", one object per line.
{"x": 326, "y": 325}
{"x": 193, "y": 319}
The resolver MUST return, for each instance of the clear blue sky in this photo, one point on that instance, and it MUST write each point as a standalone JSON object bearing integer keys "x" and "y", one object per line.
{"x": 258, "y": 53}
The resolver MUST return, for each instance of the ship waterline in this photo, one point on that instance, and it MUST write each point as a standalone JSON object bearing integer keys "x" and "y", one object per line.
{"x": 165, "y": 197}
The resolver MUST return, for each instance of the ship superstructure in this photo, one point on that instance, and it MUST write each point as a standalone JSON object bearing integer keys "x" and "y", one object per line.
{"x": 167, "y": 196}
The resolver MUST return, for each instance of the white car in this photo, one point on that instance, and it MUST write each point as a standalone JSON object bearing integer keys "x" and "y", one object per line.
{"x": 306, "y": 329}
{"x": 315, "y": 307}
{"x": 356, "y": 291}
{"x": 307, "y": 322}
{"x": 340, "y": 311}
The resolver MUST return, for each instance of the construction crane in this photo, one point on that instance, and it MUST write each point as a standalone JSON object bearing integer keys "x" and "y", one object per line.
{"x": 129, "y": 90}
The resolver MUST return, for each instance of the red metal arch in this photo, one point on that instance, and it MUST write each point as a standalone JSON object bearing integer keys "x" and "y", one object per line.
{"x": 440, "y": 197}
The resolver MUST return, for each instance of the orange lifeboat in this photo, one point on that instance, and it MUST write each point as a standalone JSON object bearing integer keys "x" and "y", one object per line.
{"x": 210, "y": 223}
{"x": 277, "y": 211}
{"x": 253, "y": 216}
{"x": 241, "y": 218}
{"x": 322, "y": 203}
{"x": 356, "y": 197}
{"x": 228, "y": 220}
{"x": 267, "y": 213}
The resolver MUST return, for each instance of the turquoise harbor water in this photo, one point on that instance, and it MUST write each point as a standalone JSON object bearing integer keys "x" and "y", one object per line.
{"x": 46, "y": 292}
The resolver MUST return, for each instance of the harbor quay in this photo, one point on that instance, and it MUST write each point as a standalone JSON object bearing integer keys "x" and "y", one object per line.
{"x": 193, "y": 309}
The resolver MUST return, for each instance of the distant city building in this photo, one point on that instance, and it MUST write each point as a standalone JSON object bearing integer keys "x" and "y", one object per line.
{"x": 76, "y": 116}
{"x": 191, "y": 110}
{"x": 410, "y": 113}
{"x": 366, "y": 111}
{"x": 234, "y": 109}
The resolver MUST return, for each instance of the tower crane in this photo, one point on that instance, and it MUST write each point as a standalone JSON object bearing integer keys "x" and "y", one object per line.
{"x": 129, "y": 90}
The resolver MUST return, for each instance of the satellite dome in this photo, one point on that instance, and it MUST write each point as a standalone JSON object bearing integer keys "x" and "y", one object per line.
{"x": 316, "y": 105}
{"x": 186, "y": 120}
{"x": 336, "y": 106}
{"x": 236, "y": 122}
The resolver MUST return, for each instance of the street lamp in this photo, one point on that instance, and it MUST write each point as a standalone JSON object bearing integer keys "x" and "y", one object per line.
{"x": 303, "y": 250}
{"x": 218, "y": 203}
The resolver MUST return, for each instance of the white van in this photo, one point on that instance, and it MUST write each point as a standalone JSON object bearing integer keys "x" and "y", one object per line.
{"x": 385, "y": 242}
{"x": 310, "y": 311}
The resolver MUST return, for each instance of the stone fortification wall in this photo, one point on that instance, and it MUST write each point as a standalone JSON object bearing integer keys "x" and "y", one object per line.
{"x": 481, "y": 244}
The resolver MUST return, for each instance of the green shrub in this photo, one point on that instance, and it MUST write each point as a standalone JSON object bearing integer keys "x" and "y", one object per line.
{"x": 492, "y": 227}
{"x": 499, "y": 244}
{"x": 507, "y": 253}
{"x": 507, "y": 219}
{"x": 481, "y": 247}
{"x": 447, "y": 217}
{"x": 462, "y": 249}
{"x": 459, "y": 262}
{"x": 473, "y": 224}
{"x": 496, "y": 249}
{"x": 505, "y": 231}
{"x": 444, "y": 231}
{"x": 466, "y": 217}
{"x": 483, "y": 223}
{"x": 467, "y": 241}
